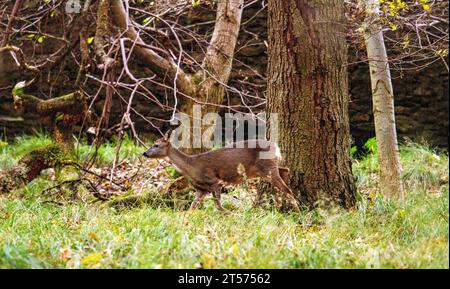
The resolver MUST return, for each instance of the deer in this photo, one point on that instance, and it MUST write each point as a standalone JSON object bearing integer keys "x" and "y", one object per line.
{"x": 209, "y": 171}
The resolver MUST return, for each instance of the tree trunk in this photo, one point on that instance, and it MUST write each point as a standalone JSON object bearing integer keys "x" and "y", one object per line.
{"x": 308, "y": 88}
{"x": 383, "y": 104}
{"x": 216, "y": 67}
{"x": 67, "y": 110}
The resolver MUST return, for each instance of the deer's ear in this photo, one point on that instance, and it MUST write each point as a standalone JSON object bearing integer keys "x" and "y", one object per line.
{"x": 167, "y": 135}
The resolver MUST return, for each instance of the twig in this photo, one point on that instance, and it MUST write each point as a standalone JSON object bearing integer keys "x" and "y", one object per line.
{"x": 12, "y": 17}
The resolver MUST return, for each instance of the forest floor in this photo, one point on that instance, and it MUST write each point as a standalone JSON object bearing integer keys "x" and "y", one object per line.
{"x": 41, "y": 228}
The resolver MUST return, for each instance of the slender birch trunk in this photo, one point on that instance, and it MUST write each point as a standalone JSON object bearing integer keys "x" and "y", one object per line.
{"x": 383, "y": 103}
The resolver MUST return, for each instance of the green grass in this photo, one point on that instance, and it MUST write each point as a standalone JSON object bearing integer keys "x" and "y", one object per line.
{"x": 377, "y": 233}
{"x": 423, "y": 167}
{"x": 12, "y": 152}
{"x": 107, "y": 151}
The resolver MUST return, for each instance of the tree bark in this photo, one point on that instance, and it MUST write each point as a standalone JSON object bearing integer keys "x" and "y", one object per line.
{"x": 12, "y": 17}
{"x": 383, "y": 104}
{"x": 67, "y": 110}
{"x": 106, "y": 63}
{"x": 308, "y": 88}
{"x": 216, "y": 67}
{"x": 218, "y": 61}
{"x": 101, "y": 33}
{"x": 72, "y": 103}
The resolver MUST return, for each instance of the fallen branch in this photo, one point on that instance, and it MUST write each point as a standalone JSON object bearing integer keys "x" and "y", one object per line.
{"x": 68, "y": 104}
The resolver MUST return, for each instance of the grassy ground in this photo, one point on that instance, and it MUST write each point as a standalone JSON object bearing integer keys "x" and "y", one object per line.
{"x": 377, "y": 233}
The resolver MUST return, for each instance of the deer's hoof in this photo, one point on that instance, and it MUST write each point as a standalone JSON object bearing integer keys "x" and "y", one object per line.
{"x": 226, "y": 212}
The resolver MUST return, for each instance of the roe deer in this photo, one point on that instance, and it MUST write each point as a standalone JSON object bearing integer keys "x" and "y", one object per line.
{"x": 234, "y": 163}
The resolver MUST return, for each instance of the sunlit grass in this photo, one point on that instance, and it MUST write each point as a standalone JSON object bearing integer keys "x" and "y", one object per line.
{"x": 376, "y": 233}
{"x": 106, "y": 152}
{"x": 11, "y": 152}
{"x": 422, "y": 166}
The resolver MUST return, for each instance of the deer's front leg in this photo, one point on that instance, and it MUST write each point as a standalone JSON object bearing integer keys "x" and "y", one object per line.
{"x": 199, "y": 196}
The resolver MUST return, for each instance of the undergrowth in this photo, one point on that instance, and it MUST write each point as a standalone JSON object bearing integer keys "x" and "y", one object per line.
{"x": 376, "y": 233}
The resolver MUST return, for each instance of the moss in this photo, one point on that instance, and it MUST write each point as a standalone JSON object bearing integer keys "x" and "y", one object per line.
{"x": 197, "y": 78}
{"x": 12, "y": 178}
{"x": 31, "y": 165}
{"x": 67, "y": 173}
{"x": 167, "y": 199}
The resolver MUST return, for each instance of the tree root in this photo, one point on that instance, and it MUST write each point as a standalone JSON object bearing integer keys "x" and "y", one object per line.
{"x": 151, "y": 198}
{"x": 175, "y": 195}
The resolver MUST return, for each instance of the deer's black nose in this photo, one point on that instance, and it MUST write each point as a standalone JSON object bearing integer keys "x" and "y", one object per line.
{"x": 145, "y": 154}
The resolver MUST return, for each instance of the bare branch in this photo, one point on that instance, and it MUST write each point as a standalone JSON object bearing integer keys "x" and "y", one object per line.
{"x": 13, "y": 15}
{"x": 155, "y": 62}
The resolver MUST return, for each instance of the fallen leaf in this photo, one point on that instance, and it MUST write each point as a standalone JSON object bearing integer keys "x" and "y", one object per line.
{"x": 92, "y": 259}
{"x": 65, "y": 253}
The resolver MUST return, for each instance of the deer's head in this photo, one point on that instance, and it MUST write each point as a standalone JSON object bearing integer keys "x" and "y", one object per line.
{"x": 160, "y": 148}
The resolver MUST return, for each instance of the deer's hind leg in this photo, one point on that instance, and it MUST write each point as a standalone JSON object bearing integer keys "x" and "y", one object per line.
{"x": 216, "y": 190}
{"x": 278, "y": 182}
{"x": 284, "y": 174}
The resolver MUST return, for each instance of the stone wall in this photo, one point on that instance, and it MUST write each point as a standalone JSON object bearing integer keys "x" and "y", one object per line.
{"x": 421, "y": 105}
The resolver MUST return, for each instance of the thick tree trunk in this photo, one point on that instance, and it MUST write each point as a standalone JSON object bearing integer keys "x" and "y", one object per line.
{"x": 308, "y": 88}
{"x": 383, "y": 104}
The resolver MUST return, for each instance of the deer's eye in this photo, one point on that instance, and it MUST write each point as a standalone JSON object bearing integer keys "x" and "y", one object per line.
{"x": 156, "y": 145}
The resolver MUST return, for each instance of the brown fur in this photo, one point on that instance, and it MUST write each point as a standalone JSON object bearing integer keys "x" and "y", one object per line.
{"x": 209, "y": 171}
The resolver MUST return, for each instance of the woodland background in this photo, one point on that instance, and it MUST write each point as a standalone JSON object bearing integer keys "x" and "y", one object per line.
{"x": 81, "y": 97}
{"x": 421, "y": 102}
